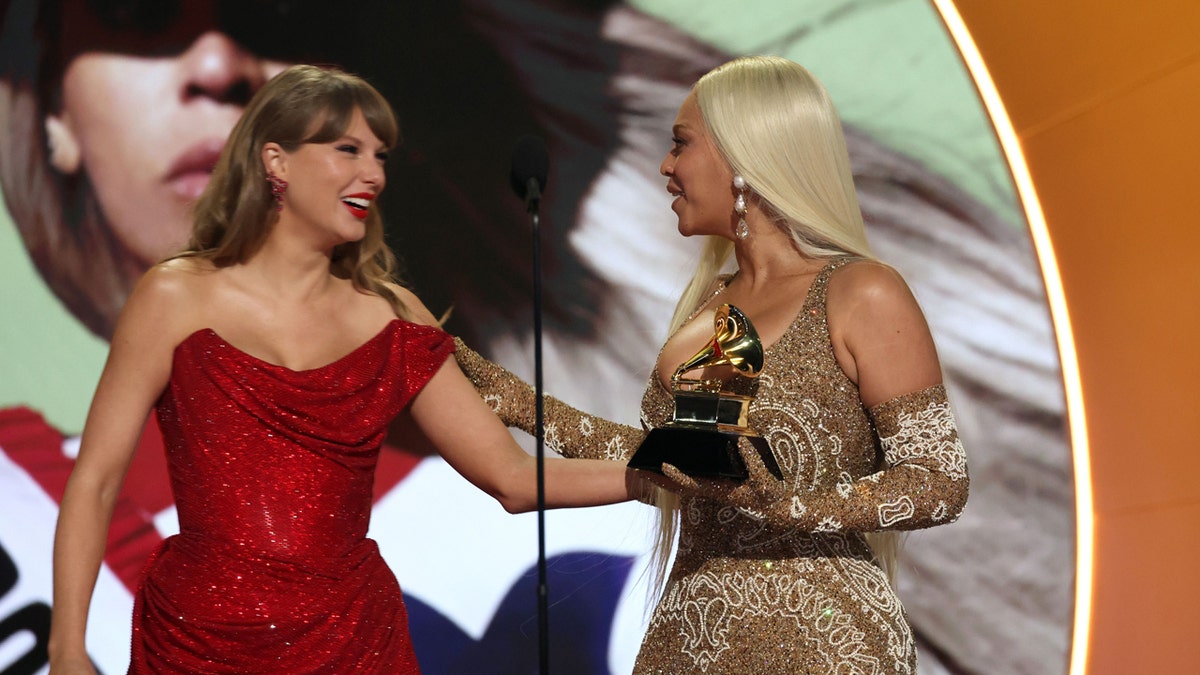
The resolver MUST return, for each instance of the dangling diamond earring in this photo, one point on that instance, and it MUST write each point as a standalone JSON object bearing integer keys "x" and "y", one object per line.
{"x": 278, "y": 188}
{"x": 739, "y": 205}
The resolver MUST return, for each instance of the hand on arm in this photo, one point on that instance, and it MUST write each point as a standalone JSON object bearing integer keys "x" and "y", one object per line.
{"x": 450, "y": 415}
{"x": 137, "y": 369}
{"x": 475, "y": 443}
{"x": 568, "y": 431}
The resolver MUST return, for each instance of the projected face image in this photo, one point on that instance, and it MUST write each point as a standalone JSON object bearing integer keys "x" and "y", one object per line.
{"x": 119, "y": 111}
{"x": 147, "y": 170}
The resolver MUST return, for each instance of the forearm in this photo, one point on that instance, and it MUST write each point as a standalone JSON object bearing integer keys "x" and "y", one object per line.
{"x": 923, "y": 481}
{"x": 568, "y": 430}
{"x": 900, "y": 498}
{"x": 572, "y": 483}
{"x": 480, "y": 448}
{"x": 79, "y": 543}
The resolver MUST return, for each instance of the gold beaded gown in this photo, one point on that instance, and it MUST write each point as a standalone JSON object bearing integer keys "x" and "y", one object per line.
{"x": 795, "y": 589}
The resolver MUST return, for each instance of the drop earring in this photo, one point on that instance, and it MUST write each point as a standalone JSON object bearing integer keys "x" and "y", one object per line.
{"x": 739, "y": 206}
{"x": 278, "y": 189}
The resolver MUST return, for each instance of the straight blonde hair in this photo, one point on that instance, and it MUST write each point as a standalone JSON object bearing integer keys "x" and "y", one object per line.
{"x": 775, "y": 124}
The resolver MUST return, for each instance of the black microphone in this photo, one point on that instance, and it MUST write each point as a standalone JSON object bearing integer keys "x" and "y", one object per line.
{"x": 530, "y": 166}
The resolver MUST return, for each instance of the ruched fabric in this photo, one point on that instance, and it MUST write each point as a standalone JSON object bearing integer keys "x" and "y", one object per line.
{"x": 272, "y": 473}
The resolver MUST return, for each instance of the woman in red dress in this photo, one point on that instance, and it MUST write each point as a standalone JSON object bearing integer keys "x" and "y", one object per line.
{"x": 277, "y": 351}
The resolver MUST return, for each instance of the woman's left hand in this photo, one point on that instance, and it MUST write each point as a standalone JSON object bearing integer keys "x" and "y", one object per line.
{"x": 758, "y": 494}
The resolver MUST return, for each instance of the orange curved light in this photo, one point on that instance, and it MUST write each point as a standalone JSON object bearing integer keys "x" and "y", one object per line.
{"x": 1073, "y": 388}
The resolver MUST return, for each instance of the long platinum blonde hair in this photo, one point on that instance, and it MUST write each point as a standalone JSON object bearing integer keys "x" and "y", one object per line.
{"x": 775, "y": 124}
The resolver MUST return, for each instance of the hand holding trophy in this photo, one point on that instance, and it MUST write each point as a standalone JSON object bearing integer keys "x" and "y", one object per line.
{"x": 701, "y": 438}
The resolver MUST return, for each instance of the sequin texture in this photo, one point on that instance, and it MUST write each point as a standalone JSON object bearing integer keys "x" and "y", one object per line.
{"x": 791, "y": 587}
{"x": 272, "y": 474}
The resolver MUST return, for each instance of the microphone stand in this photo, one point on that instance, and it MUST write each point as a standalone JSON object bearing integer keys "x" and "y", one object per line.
{"x": 533, "y": 199}
{"x": 530, "y": 167}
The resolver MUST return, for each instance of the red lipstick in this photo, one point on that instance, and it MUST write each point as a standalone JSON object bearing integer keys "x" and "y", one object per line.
{"x": 358, "y": 204}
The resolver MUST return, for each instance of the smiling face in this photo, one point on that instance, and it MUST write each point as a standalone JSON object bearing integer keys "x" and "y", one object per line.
{"x": 331, "y": 186}
{"x": 698, "y": 177}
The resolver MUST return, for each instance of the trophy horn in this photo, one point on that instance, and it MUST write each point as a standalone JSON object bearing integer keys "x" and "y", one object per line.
{"x": 734, "y": 343}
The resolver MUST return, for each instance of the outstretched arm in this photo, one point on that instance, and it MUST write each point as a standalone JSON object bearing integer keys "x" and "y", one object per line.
{"x": 452, "y": 417}
{"x": 569, "y": 431}
{"x": 472, "y": 439}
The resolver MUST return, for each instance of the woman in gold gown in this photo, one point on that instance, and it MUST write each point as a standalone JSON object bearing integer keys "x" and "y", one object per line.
{"x": 791, "y": 574}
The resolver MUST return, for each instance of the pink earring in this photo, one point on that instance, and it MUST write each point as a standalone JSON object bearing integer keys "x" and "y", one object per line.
{"x": 278, "y": 188}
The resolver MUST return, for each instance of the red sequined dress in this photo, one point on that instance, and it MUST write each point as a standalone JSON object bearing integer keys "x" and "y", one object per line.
{"x": 272, "y": 471}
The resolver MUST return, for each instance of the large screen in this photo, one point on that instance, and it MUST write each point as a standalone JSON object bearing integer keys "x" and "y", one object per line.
{"x": 112, "y": 114}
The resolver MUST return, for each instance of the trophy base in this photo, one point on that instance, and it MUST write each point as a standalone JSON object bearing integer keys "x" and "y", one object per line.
{"x": 700, "y": 452}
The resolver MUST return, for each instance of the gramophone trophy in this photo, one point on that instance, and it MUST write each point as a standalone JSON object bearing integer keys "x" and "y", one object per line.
{"x": 701, "y": 438}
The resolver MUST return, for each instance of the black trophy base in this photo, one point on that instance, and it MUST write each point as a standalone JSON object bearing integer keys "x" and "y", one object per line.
{"x": 699, "y": 452}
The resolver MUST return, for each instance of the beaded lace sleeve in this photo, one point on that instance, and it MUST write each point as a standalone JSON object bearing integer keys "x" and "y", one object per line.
{"x": 568, "y": 431}
{"x": 921, "y": 482}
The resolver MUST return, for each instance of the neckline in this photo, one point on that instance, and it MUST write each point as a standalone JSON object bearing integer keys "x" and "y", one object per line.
{"x": 386, "y": 330}
{"x": 826, "y": 269}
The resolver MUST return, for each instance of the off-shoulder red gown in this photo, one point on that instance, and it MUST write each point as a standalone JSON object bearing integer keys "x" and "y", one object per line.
{"x": 272, "y": 470}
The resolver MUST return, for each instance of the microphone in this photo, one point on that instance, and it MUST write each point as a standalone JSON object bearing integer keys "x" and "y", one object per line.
{"x": 530, "y": 166}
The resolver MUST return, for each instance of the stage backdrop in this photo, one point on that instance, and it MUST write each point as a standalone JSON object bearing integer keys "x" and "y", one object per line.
{"x": 156, "y": 82}
{"x": 1103, "y": 99}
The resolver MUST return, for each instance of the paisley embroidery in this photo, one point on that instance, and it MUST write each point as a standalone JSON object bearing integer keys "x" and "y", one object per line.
{"x": 793, "y": 580}
{"x": 928, "y": 437}
{"x": 615, "y": 449}
{"x": 893, "y": 512}
{"x": 707, "y": 608}
{"x": 494, "y": 401}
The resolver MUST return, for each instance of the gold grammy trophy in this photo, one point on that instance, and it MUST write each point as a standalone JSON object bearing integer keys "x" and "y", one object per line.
{"x": 702, "y": 437}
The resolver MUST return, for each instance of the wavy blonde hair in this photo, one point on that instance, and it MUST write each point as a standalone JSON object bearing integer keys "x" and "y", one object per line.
{"x": 775, "y": 124}
{"x": 303, "y": 104}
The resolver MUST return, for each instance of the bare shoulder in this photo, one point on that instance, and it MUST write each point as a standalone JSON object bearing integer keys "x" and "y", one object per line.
{"x": 879, "y": 334}
{"x": 868, "y": 283}
{"x": 869, "y": 301}
{"x": 181, "y": 282}
{"x": 177, "y": 275}
{"x": 170, "y": 299}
